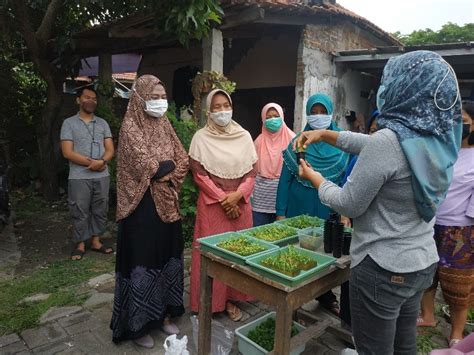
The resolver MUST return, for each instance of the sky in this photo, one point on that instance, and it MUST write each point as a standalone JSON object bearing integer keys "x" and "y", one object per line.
{"x": 409, "y": 15}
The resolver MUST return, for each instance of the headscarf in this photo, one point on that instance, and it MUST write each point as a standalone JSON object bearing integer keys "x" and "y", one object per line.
{"x": 330, "y": 161}
{"x": 419, "y": 100}
{"x": 145, "y": 141}
{"x": 227, "y": 152}
{"x": 375, "y": 113}
{"x": 270, "y": 146}
{"x": 322, "y": 99}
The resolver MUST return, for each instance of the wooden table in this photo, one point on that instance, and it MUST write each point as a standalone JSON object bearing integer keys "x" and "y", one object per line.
{"x": 284, "y": 298}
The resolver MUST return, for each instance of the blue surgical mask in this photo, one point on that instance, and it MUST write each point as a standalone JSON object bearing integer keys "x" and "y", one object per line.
{"x": 273, "y": 124}
{"x": 319, "y": 121}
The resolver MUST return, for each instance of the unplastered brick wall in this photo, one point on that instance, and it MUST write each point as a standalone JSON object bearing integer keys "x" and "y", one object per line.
{"x": 338, "y": 36}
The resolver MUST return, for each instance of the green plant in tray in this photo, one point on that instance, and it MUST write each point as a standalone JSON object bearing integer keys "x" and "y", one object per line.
{"x": 289, "y": 262}
{"x": 272, "y": 232}
{"x": 304, "y": 221}
{"x": 241, "y": 245}
{"x": 264, "y": 334}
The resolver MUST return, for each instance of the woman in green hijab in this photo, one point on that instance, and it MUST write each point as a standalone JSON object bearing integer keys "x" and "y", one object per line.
{"x": 296, "y": 196}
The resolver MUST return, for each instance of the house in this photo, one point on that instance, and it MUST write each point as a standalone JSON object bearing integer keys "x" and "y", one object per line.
{"x": 275, "y": 50}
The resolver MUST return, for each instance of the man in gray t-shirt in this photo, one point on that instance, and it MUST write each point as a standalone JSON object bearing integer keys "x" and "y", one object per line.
{"x": 86, "y": 141}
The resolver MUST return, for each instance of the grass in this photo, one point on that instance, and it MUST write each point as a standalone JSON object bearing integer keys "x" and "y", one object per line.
{"x": 27, "y": 205}
{"x": 425, "y": 343}
{"x": 61, "y": 279}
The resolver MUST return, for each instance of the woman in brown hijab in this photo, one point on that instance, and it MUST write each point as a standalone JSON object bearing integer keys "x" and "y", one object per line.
{"x": 151, "y": 168}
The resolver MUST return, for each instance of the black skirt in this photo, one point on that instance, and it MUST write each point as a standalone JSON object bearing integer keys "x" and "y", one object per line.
{"x": 149, "y": 272}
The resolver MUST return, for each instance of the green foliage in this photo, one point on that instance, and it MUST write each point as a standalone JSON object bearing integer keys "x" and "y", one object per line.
{"x": 23, "y": 101}
{"x": 264, "y": 334}
{"x": 57, "y": 279}
{"x": 449, "y": 33}
{"x": 185, "y": 130}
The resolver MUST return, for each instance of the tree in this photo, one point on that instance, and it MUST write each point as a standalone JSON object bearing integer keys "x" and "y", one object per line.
{"x": 449, "y": 33}
{"x": 47, "y": 29}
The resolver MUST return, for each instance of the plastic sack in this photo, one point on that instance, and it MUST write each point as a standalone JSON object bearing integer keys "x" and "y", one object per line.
{"x": 348, "y": 351}
{"x": 175, "y": 346}
{"x": 222, "y": 339}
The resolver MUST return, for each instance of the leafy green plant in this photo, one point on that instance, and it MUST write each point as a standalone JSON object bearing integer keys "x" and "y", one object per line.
{"x": 272, "y": 233}
{"x": 264, "y": 334}
{"x": 303, "y": 221}
{"x": 185, "y": 130}
{"x": 289, "y": 262}
{"x": 241, "y": 245}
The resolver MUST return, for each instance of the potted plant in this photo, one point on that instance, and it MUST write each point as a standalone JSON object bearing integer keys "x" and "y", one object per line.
{"x": 300, "y": 152}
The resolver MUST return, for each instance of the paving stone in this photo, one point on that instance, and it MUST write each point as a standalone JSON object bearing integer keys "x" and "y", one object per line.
{"x": 9, "y": 339}
{"x": 13, "y": 348}
{"x": 99, "y": 280}
{"x": 52, "y": 348}
{"x": 89, "y": 344}
{"x": 43, "y": 335}
{"x": 74, "y": 318}
{"x": 36, "y": 298}
{"x": 88, "y": 325}
{"x": 70, "y": 351}
{"x": 98, "y": 298}
{"x": 58, "y": 312}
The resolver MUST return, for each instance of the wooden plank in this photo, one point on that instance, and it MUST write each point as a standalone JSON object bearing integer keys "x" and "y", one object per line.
{"x": 205, "y": 309}
{"x": 340, "y": 333}
{"x": 249, "y": 15}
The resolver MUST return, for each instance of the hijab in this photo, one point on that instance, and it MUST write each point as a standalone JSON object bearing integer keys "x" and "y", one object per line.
{"x": 419, "y": 100}
{"x": 328, "y": 160}
{"x": 144, "y": 141}
{"x": 227, "y": 152}
{"x": 270, "y": 146}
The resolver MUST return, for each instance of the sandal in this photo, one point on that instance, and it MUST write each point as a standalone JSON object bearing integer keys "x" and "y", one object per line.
{"x": 233, "y": 312}
{"x": 332, "y": 307}
{"x": 77, "y": 252}
{"x": 103, "y": 250}
{"x": 420, "y": 322}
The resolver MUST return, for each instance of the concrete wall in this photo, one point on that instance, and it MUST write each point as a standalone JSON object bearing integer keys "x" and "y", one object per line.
{"x": 271, "y": 62}
{"x": 316, "y": 71}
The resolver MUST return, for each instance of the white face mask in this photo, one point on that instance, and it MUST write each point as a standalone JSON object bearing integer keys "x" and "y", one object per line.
{"x": 319, "y": 121}
{"x": 156, "y": 108}
{"x": 221, "y": 118}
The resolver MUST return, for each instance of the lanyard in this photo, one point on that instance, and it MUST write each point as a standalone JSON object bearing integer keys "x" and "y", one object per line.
{"x": 92, "y": 134}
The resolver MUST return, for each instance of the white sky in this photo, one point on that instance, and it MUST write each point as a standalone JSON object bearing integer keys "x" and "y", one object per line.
{"x": 409, "y": 15}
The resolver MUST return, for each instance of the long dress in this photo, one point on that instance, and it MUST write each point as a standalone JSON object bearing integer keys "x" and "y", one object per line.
{"x": 149, "y": 272}
{"x": 211, "y": 219}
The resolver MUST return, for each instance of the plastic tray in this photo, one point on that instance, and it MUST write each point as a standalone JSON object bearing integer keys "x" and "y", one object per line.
{"x": 323, "y": 261}
{"x": 210, "y": 244}
{"x": 280, "y": 242}
{"x": 248, "y": 347}
{"x": 317, "y": 222}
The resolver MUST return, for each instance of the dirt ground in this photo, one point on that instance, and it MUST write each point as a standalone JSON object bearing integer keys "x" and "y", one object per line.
{"x": 44, "y": 231}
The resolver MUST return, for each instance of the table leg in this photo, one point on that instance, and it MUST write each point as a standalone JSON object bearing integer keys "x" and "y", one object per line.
{"x": 284, "y": 320}
{"x": 205, "y": 309}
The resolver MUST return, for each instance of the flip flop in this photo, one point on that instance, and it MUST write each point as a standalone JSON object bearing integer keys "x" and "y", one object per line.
{"x": 77, "y": 252}
{"x": 103, "y": 250}
{"x": 420, "y": 322}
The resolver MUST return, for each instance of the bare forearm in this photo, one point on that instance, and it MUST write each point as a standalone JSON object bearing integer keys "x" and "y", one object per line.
{"x": 77, "y": 158}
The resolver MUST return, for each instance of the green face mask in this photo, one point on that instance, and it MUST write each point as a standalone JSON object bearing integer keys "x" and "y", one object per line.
{"x": 273, "y": 124}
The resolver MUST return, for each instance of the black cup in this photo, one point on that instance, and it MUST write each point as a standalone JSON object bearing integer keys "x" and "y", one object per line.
{"x": 328, "y": 232}
{"x": 337, "y": 239}
{"x": 300, "y": 155}
{"x": 346, "y": 244}
{"x": 335, "y": 217}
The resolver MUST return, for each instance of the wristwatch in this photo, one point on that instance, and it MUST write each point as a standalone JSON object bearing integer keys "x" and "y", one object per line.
{"x": 105, "y": 161}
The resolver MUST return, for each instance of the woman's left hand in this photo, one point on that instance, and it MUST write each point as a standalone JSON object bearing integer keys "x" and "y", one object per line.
{"x": 306, "y": 172}
{"x": 165, "y": 178}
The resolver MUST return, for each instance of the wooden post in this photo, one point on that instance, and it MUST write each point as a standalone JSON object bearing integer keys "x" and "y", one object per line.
{"x": 105, "y": 78}
{"x": 205, "y": 309}
{"x": 283, "y": 322}
{"x": 212, "y": 60}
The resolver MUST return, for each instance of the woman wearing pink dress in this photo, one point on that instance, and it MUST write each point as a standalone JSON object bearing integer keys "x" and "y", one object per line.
{"x": 223, "y": 161}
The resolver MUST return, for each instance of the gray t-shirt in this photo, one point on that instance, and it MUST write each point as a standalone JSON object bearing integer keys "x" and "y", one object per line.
{"x": 88, "y": 140}
{"x": 379, "y": 197}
